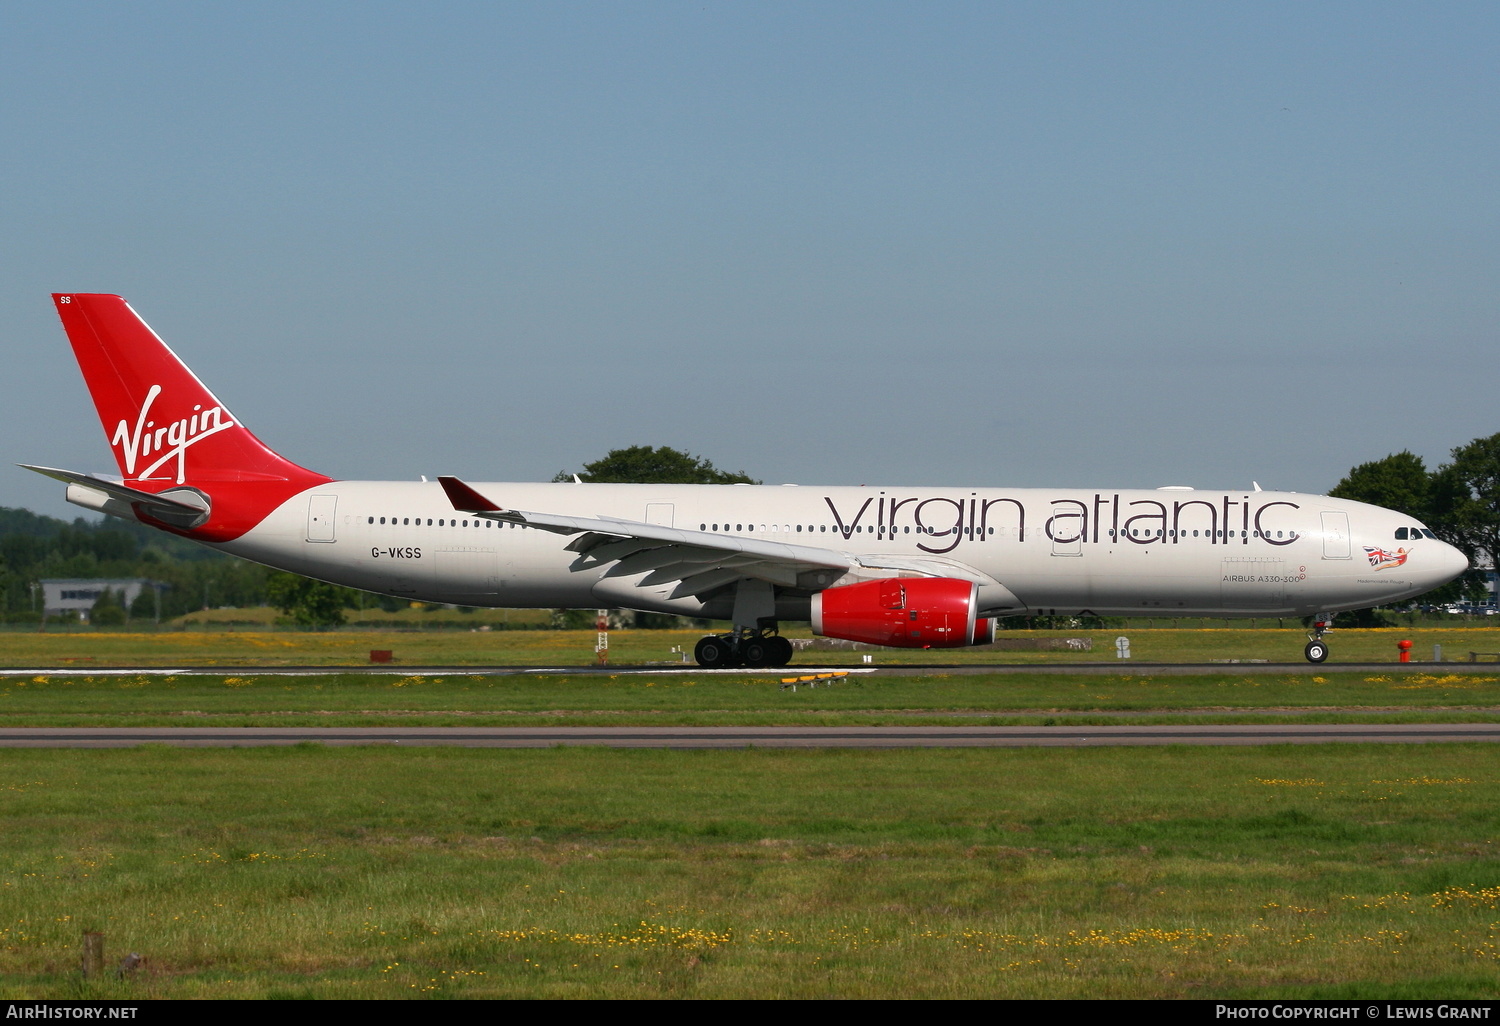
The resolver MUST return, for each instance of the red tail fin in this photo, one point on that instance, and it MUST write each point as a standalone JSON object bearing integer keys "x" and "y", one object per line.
{"x": 167, "y": 430}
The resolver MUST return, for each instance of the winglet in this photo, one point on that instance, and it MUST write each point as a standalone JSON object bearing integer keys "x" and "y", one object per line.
{"x": 465, "y": 498}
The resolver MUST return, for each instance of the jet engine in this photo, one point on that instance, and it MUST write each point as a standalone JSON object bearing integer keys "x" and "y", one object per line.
{"x": 904, "y": 612}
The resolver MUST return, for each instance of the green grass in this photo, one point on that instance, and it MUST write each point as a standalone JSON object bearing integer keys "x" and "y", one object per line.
{"x": 102, "y": 648}
{"x": 1278, "y": 871}
{"x": 662, "y": 699}
{"x": 1164, "y": 872}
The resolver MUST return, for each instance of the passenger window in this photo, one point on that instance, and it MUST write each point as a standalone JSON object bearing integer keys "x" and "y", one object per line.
{"x": 372, "y": 520}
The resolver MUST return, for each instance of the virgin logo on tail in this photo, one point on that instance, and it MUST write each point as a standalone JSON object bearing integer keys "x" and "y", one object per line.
{"x": 171, "y": 441}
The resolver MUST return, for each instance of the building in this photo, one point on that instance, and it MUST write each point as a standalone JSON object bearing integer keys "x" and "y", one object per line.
{"x": 62, "y": 595}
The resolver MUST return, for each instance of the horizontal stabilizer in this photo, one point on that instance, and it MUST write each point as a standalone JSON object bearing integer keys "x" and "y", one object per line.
{"x": 180, "y": 507}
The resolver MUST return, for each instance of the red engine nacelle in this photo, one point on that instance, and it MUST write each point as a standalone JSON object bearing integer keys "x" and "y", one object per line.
{"x": 905, "y": 612}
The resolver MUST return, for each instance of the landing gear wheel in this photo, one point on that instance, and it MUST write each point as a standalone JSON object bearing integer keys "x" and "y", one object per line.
{"x": 756, "y": 653}
{"x": 780, "y": 650}
{"x": 713, "y": 653}
{"x": 1316, "y": 651}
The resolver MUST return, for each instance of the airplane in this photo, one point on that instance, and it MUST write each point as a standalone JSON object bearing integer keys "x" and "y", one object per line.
{"x": 909, "y": 567}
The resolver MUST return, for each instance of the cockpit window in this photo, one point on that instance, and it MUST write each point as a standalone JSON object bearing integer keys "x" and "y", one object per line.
{"x": 1427, "y": 533}
{"x": 1401, "y": 534}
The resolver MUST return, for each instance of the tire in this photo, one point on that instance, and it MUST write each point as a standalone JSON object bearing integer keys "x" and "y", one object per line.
{"x": 780, "y": 650}
{"x": 712, "y": 653}
{"x": 1316, "y": 651}
{"x": 756, "y": 653}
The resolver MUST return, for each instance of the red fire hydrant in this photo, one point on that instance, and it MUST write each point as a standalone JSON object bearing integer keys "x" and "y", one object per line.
{"x": 1405, "y": 649}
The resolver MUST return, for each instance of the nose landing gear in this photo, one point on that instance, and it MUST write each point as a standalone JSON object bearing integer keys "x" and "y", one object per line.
{"x": 1317, "y": 649}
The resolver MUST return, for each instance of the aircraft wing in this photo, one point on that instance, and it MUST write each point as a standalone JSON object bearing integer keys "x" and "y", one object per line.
{"x": 698, "y": 561}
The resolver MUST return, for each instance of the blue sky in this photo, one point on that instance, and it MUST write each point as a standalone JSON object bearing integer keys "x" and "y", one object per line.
{"x": 1015, "y": 244}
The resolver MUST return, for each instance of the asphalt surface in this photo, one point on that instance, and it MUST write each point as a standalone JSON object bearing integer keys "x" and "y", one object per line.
{"x": 758, "y": 737}
{"x": 889, "y": 670}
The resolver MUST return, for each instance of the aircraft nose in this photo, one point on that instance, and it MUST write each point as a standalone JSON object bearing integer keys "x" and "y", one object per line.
{"x": 1448, "y": 563}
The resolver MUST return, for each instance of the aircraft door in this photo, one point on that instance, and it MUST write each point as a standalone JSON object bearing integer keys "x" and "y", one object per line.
{"x": 1066, "y": 529}
{"x": 320, "y": 509}
{"x": 471, "y": 571}
{"x": 659, "y": 513}
{"x": 1335, "y": 535}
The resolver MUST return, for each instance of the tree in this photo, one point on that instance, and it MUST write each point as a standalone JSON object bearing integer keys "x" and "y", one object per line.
{"x": 641, "y": 464}
{"x": 1460, "y": 501}
{"x": 1466, "y": 499}
{"x": 308, "y": 602}
{"x": 145, "y": 605}
{"x": 1399, "y": 482}
{"x": 107, "y": 610}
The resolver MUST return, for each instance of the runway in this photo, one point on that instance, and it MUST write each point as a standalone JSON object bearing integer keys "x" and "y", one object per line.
{"x": 757, "y": 737}
{"x": 665, "y": 669}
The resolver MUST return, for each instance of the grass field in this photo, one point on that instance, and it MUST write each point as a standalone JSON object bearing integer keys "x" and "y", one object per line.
{"x": 304, "y": 872}
{"x": 1278, "y": 871}
{"x": 354, "y": 699}
{"x": 574, "y": 648}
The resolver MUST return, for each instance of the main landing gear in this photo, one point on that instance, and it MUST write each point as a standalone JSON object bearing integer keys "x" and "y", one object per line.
{"x": 1317, "y": 649}
{"x": 743, "y": 647}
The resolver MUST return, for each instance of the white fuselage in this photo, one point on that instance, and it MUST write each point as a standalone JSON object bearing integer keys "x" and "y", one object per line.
{"x": 1110, "y": 552}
